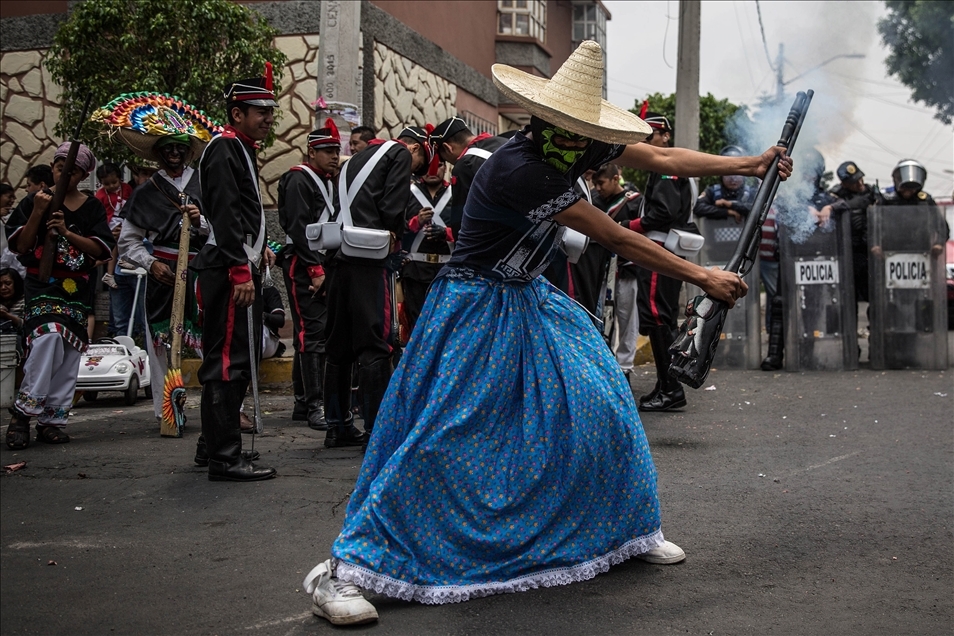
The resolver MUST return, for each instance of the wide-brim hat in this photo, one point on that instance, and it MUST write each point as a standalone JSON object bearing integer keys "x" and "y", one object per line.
{"x": 572, "y": 98}
{"x": 140, "y": 120}
{"x": 144, "y": 145}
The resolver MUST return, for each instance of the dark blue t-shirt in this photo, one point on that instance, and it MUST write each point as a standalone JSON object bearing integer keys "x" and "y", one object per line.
{"x": 508, "y": 231}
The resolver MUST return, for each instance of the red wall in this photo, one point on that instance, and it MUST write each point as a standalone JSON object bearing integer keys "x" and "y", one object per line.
{"x": 17, "y": 8}
{"x": 465, "y": 29}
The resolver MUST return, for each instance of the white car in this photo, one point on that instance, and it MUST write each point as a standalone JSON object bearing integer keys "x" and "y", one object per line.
{"x": 114, "y": 364}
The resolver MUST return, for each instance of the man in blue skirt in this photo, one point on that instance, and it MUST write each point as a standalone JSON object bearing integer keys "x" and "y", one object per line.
{"x": 510, "y": 454}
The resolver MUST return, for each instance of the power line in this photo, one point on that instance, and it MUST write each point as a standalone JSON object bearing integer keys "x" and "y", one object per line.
{"x": 666, "y": 34}
{"x": 745, "y": 53}
{"x": 758, "y": 8}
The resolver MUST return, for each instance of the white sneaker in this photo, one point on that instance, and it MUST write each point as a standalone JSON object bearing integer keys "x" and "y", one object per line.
{"x": 339, "y": 602}
{"x": 665, "y": 554}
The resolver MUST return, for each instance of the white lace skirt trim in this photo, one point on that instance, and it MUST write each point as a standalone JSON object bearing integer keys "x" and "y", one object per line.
{"x": 439, "y": 594}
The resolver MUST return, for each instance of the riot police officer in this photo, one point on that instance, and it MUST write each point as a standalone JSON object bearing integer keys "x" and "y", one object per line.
{"x": 729, "y": 198}
{"x": 909, "y": 177}
{"x": 854, "y": 196}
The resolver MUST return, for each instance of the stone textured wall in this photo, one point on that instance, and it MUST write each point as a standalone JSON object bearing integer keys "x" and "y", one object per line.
{"x": 407, "y": 94}
{"x": 297, "y": 115}
{"x": 29, "y": 109}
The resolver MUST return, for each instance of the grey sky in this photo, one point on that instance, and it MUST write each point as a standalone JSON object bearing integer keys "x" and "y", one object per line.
{"x": 859, "y": 113}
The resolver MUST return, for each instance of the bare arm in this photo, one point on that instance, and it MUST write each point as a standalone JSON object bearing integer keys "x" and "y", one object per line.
{"x": 583, "y": 217}
{"x": 689, "y": 163}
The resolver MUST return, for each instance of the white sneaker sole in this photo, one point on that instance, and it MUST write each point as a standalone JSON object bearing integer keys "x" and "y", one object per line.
{"x": 666, "y": 554}
{"x": 350, "y": 619}
{"x": 660, "y": 560}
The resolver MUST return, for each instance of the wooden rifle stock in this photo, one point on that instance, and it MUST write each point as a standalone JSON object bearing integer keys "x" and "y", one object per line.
{"x": 695, "y": 346}
{"x": 45, "y": 268}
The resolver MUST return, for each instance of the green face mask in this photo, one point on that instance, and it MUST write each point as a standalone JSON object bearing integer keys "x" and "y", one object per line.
{"x": 561, "y": 158}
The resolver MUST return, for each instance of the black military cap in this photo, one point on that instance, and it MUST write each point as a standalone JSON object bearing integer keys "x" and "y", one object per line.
{"x": 850, "y": 172}
{"x": 448, "y": 128}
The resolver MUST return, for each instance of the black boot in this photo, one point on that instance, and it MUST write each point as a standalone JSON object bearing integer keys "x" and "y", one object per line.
{"x": 223, "y": 436}
{"x": 670, "y": 394}
{"x": 338, "y": 415}
{"x": 300, "y": 412}
{"x": 311, "y": 372}
{"x": 202, "y": 453}
{"x": 373, "y": 380}
{"x": 18, "y": 432}
{"x": 776, "y": 348}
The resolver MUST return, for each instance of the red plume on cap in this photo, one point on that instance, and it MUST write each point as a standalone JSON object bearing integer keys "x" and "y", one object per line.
{"x": 268, "y": 76}
{"x": 643, "y": 109}
{"x": 434, "y": 166}
{"x": 333, "y": 130}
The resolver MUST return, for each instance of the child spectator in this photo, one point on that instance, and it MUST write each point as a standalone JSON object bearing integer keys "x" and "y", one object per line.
{"x": 11, "y": 300}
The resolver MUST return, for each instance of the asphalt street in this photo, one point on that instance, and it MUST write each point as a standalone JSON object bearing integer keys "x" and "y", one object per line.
{"x": 816, "y": 503}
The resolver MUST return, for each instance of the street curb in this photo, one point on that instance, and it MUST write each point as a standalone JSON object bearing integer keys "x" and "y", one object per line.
{"x": 271, "y": 372}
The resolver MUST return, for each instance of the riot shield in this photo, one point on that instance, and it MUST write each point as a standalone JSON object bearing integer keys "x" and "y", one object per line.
{"x": 740, "y": 344}
{"x": 908, "y": 308}
{"x": 818, "y": 292}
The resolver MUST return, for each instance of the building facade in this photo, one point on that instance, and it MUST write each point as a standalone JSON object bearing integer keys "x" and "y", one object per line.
{"x": 419, "y": 62}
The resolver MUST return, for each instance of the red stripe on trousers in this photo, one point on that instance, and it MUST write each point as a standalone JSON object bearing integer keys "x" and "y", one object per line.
{"x": 387, "y": 309}
{"x": 652, "y": 297}
{"x": 294, "y": 293}
{"x": 226, "y": 349}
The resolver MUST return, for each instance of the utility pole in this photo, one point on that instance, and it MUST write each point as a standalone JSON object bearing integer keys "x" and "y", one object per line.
{"x": 339, "y": 82}
{"x": 780, "y": 74}
{"x": 687, "y": 75}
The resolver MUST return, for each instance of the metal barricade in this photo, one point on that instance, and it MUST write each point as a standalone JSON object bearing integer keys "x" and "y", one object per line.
{"x": 740, "y": 345}
{"x": 908, "y": 308}
{"x": 818, "y": 291}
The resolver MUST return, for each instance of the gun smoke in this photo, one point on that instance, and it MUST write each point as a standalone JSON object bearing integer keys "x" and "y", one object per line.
{"x": 835, "y": 29}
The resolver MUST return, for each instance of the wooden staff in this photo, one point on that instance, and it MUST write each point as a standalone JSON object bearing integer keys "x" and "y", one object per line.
{"x": 173, "y": 390}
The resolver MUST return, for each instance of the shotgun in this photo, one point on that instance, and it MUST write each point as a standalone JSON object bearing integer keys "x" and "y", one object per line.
{"x": 695, "y": 346}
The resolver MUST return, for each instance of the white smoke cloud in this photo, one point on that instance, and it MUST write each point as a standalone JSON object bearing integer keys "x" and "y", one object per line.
{"x": 834, "y": 28}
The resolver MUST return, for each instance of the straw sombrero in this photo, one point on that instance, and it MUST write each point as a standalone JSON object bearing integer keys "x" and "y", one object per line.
{"x": 572, "y": 98}
{"x": 142, "y": 119}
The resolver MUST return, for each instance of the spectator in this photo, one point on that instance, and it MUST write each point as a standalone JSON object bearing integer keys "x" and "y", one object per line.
{"x": 360, "y": 137}
{"x": 113, "y": 194}
{"x": 7, "y": 198}
{"x": 11, "y": 300}
{"x": 7, "y": 259}
{"x": 39, "y": 177}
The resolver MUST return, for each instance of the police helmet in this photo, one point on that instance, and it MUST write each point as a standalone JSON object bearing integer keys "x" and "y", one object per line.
{"x": 810, "y": 164}
{"x": 732, "y": 151}
{"x": 909, "y": 173}
{"x": 850, "y": 172}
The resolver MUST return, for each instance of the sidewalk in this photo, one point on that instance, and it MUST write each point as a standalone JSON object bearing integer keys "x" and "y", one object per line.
{"x": 806, "y": 503}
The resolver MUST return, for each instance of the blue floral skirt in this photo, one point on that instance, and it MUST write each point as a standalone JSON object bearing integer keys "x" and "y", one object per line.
{"x": 507, "y": 454}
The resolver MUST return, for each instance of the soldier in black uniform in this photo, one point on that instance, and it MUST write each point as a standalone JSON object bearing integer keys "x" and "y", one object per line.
{"x": 305, "y": 196}
{"x": 668, "y": 204}
{"x": 467, "y": 152}
{"x": 228, "y": 269}
{"x": 729, "y": 198}
{"x": 622, "y": 205}
{"x": 428, "y": 240}
{"x": 359, "y": 302}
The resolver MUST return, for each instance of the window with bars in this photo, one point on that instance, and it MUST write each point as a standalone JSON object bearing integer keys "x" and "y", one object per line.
{"x": 589, "y": 23}
{"x": 522, "y": 17}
